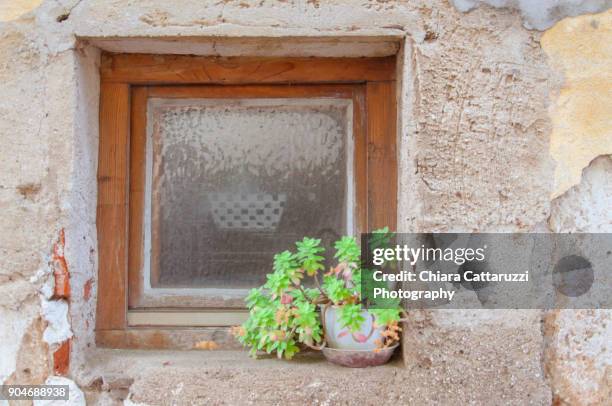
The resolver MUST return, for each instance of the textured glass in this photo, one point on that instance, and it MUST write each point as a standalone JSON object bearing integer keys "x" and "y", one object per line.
{"x": 234, "y": 181}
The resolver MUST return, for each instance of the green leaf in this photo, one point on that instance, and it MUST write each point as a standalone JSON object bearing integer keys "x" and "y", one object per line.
{"x": 335, "y": 289}
{"x": 307, "y": 323}
{"x": 277, "y": 283}
{"x": 350, "y": 316}
{"x": 284, "y": 262}
{"x": 385, "y": 317}
{"x": 291, "y": 349}
{"x": 347, "y": 250}
{"x": 308, "y": 251}
{"x": 312, "y": 294}
{"x": 305, "y": 294}
{"x": 257, "y": 298}
{"x": 286, "y": 273}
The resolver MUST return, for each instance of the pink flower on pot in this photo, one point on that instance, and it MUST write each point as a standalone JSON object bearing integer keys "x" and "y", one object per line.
{"x": 286, "y": 299}
{"x": 343, "y": 333}
{"x": 361, "y": 338}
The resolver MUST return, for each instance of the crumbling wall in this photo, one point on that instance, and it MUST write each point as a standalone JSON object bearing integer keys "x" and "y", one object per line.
{"x": 46, "y": 210}
{"x": 585, "y": 208}
{"x": 35, "y": 165}
{"x": 580, "y": 49}
{"x": 480, "y": 109}
{"x": 540, "y": 14}
{"x": 577, "y": 358}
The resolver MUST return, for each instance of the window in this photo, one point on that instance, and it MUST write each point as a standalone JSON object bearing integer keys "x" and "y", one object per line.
{"x": 208, "y": 167}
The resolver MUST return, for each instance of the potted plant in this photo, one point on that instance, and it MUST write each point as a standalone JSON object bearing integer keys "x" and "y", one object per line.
{"x": 286, "y": 316}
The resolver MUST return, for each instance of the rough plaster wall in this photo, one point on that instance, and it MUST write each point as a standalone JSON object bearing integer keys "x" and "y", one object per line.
{"x": 540, "y": 14}
{"x": 483, "y": 130}
{"x": 33, "y": 167}
{"x": 81, "y": 226}
{"x": 474, "y": 112}
{"x": 38, "y": 186}
{"x": 586, "y": 207}
{"x": 579, "y": 360}
{"x": 581, "y": 50}
{"x": 451, "y": 349}
{"x": 11, "y": 10}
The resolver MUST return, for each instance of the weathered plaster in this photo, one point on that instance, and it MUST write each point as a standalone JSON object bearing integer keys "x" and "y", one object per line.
{"x": 581, "y": 49}
{"x": 578, "y": 359}
{"x": 586, "y": 207}
{"x": 540, "y": 14}
{"x": 76, "y": 396}
{"x": 16, "y": 324}
{"x": 482, "y": 124}
{"x": 10, "y": 10}
{"x": 31, "y": 356}
{"x": 475, "y": 153}
{"x": 577, "y": 356}
{"x": 36, "y": 167}
{"x": 55, "y": 312}
{"x": 81, "y": 226}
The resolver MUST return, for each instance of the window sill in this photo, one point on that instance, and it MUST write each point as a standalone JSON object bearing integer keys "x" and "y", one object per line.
{"x": 232, "y": 377}
{"x": 168, "y": 338}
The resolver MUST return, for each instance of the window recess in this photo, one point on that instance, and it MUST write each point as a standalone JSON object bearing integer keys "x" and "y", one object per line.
{"x": 209, "y": 166}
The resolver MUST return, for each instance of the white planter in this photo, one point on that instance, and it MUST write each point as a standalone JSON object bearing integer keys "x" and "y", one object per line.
{"x": 339, "y": 337}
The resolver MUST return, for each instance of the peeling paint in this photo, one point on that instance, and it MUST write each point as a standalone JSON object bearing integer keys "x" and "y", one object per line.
{"x": 580, "y": 48}
{"x": 60, "y": 268}
{"x": 539, "y": 14}
{"x": 586, "y": 207}
{"x": 55, "y": 312}
{"x": 17, "y": 326}
{"x": 61, "y": 358}
{"x": 75, "y": 395}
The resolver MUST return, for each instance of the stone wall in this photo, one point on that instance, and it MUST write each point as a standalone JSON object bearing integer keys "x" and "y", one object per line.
{"x": 487, "y": 110}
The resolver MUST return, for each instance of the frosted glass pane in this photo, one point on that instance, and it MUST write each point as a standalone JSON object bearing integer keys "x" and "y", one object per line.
{"x": 234, "y": 181}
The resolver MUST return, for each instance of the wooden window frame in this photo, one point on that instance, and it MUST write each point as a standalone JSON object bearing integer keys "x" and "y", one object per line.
{"x": 126, "y": 82}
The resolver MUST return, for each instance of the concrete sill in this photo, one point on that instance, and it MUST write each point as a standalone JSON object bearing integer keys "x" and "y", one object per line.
{"x": 232, "y": 377}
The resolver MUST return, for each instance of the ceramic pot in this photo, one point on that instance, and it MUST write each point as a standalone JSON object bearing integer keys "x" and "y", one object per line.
{"x": 342, "y": 338}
